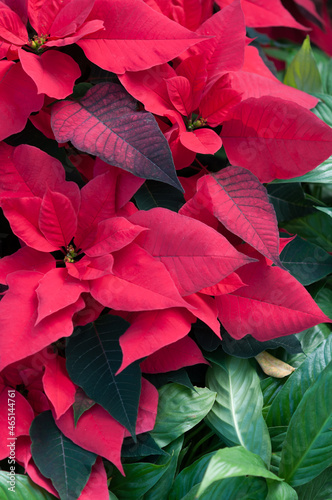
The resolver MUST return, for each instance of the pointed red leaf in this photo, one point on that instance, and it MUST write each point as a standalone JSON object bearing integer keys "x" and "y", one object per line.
{"x": 188, "y": 13}
{"x": 240, "y": 202}
{"x": 26, "y": 259}
{"x": 33, "y": 472}
{"x": 202, "y": 140}
{"x": 275, "y": 139}
{"x": 12, "y": 28}
{"x": 272, "y": 304}
{"x": 97, "y": 485}
{"x": 70, "y": 17}
{"x": 57, "y": 219}
{"x": 147, "y": 410}
{"x": 91, "y": 268}
{"x": 182, "y": 353}
{"x": 138, "y": 283}
{"x": 205, "y": 309}
{"x": 20, "y": 338}
{"x": 135, "y": 37}
{"x": 105, "y": 123}
{"x": 106, "y": 431}
{"x": 195, "y": 255}
{"x": 193, "y": 68}
{"x": 58, "y": 387}
{"x": 263, "y": 13}
{"x": 57, "y": 290}
{"x": 152, "y": 330}
{"x": 53, "y": 72}
{"x": 218, "y": 101}
{"x": 24, "y": 417}
{"x": 19, "y": 98}
{"x": 225, "y": 51}
{"x": 227, "y": 285}
{"x": 112, "y": 235}
{"x": 179, "y": 91}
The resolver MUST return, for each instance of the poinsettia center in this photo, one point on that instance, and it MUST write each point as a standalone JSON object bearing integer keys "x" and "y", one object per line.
{"x": 71, "y": 254}
{"x": 37, "y": 41}
{"x": 197, "y": 123}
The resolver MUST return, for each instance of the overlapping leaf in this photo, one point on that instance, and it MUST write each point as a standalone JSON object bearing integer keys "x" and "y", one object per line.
{"x": 105, "y": 123}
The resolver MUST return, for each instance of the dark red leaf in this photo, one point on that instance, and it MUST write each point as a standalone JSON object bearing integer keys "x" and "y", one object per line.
{"x": 58, "y": 387}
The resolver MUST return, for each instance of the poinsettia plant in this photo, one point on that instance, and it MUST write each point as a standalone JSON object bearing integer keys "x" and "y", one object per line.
{"x": 157, "y": 235}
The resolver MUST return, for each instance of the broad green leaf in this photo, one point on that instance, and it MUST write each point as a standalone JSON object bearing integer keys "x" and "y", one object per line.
{"x": 324, "y": 108}
{"x": 307, "y": 449}
{"x": 315, "y": 228}
{"x": 288, "y": 201}
{"x": 270, "y": 388}
{"x": 319, "y": 488}
{"x": 234, "y": 462}
{"x": 302, "y": 73}
{"x": 244, "y": 488}
{"x": 237, "y": 412}
{"x": 139, "y": 478}
{"x": 112, "y": 496}
{"x": 190, "y": 477}
{"x": 143, "y": 447}
{"x": 82, "y": 403}
{"x": 320, "y": 174}
{"x": 156, "y": 194}
{"x": 162, "y": 488}
{"x": 289, "y": 397}
{"x": 324, "y": 300}
{"x": 280, "y": 491}
{"x": 93, "y": 357}
{"x": 326, "y": 210}
{"x": 310, "y": 339}
{"x": 180, "y": 409}
{"x": 21, "y": 489}
{"x": 58, "y": 458}
{"x": 325, "y": 68}
{"x": 305, "y": 261}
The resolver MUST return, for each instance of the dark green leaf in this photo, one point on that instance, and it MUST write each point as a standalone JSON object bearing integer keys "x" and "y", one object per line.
{"x": 305, "y": 261}
{"x": 180, "y": 409}
{"x": 58, "y": 458}
{"x": 178, "y": 376}
{"x": 310, "y": 339}
{"x": 234, "y": 462}
{"x": 324, "y": 300}
{"x": 288, "y": 201}
{"x": 144, "y": 447}
{"x": 237, "y": 412}
{"x": 325, "y": 68}
{"x": 324, "y": 108}
{"x": 307, "y": 448}
{"x": 244, "y": 488}
{"x": 82, "y": 403}
{"x": 93, "y": 357}
{"x": 319, "y": 488}
{"x": 316, "y": 228}
{"x": 288, "y": 399}
{"x": 156, "y": 194}
{"x": 22, "y": 489}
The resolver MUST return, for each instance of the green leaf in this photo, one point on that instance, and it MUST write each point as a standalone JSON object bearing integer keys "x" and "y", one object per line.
{"x": 156, "y": 194}
{"x": 82, "y": 403}
{"x": 139, "y": 478}
{"x": 21, "y": 489}
{"x": 324, "y": 108}
{"x": 310, "y": 339}
{"x": 93, "y": 357}
{"x": 143, "y": 447}
{"x": 324, "y": 300}
{"x": 315, "y": 228}
{"x": 234, "y": 462}
{"x": 237, "y": 412}
{"x": 325, "y": 68}
{"x": 319, "y": 488}
{"x": 305, "y": 261}
{"x": 162, "y": 488}
{"x": 177, "y": 376}
{"x": 244, "y": 488}
{"x": 270, "y": 388}
{"x": 307, "y": 449}
{"x": 290, "y": 396}
{"x": 302, "y": 73}
{"x": 321, "y": 174}
{"x": 326, "y": 210}
{"x": 288, "y": 201}
{"x": 280, "y": 491}
{"x": 58, "y": 458}
{"x": 180, "y": 409}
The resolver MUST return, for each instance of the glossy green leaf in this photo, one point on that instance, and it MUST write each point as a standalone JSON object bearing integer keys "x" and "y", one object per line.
{"x": 280, "y": 491}
{"x": 319, "y": 488}
{"x": 177, "y": 376}
{"x": 139, "y": 478}
{"x": 290, "y": 396}
{"x": 305, "y": 261}
{"x": 320, "y": 174}
{"x": 288, "y": 201}
{"x": 310, "y": 339}
{"x": 143, "y": 447}
{"x": 180, "y": 409}
{"x": 315, "y": 228}
{"x": 302, "y": 73}
{"x": 82, "y": 403}
{"x": 163, "y": 487}
{"x": 324, "y": 299}
{"x": 307, "y": 448}
{"x": 234, "y": 462}
{"x": 58, "y": 458}
{"x": 326, "y": 210}
{"x": 93, "y": 357}
{"x": 237, "y": 412}
{"x": 324, "y": 108}
{"x": 156, "y": 194}
{"x": 325, "y": 68}
{"x": 244, "y": 488}
{"x": 22, "y": 489}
